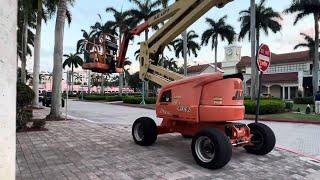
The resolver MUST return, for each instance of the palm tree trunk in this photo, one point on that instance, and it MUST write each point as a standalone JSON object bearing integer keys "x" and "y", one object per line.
{"x": 89, "y": 82}
{"x": 102, "y": 84}
{"x": 253, "y": 49}
{"x": 57, "y": 68}
{"x": 24, "y": 50}
{"x": 72, "y": 78}
{"x": 316, "y": 56}
{"x": 256, "y": 84}
{"x": 185, "y": 49}
{"x": 120, "y": 74}
{"x": 146, "y": 83}
{"x": 216, "y": 55}
{"x": 36, "y": 63}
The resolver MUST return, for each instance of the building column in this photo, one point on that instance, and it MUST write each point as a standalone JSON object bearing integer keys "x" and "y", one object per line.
{"x": 268, "y": 87}
{"x": 283, "y": 92}
{"x": 289, "y": 92}
{"x": 8, "y": 79}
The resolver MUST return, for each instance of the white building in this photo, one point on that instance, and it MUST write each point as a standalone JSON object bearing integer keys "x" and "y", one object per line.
{"x": 289, "y": 73}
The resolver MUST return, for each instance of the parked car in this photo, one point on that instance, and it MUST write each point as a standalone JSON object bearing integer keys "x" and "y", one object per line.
{"x": 46, "y": 101}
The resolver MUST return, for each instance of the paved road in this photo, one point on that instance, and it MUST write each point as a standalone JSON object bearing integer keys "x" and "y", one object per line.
{"x": 302, "y": 138}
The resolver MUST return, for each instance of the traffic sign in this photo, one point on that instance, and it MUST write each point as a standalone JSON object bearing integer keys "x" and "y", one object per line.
{"x": 263, "y": 58}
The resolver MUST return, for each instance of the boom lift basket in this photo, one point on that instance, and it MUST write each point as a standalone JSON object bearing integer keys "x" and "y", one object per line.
{"x": 100, "y": 54}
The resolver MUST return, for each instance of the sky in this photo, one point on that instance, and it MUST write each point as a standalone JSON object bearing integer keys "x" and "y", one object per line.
{"x": 85, "y": 14}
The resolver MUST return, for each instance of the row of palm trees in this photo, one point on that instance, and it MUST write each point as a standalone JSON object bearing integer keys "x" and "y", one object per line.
{"x": 31, "y": 13}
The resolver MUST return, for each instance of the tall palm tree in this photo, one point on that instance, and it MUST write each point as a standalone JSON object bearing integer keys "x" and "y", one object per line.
{"x": 26, "y": 19}
{"x": 42, "y": 13}
{"x": 266, "y": 19}
{"x": 304, "y": 8}
{"x": 145, "y": 9}
{"x": 62, "y": 14}
{"x": 122, "y": 22}
{"x": 216, "y": 29}
{"x": 192, "y": 46}
{"x": 73, "y": 61}
{"x": 309, "y": 43}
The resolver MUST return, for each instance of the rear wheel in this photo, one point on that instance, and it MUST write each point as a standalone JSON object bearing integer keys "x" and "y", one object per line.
{"x": 263, "y": 139}
{"x": 211, "y": 148}
{"x": 144, "y": 131}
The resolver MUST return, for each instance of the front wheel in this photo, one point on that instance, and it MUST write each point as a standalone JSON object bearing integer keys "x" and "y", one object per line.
{"x": 211, "y": 148}
{"x": 263, "y": 139}
{"x": 144, "y": 131}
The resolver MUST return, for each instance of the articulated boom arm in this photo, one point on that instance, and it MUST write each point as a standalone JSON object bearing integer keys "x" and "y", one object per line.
{"x": 180, "y": 16}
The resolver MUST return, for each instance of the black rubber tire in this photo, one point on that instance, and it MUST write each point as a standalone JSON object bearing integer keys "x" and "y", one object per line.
{"x": 186, "y": 136}
{"x": 268, "y": 139}
{"x": 222, "y": 148}
{"x": 149, "y": 129}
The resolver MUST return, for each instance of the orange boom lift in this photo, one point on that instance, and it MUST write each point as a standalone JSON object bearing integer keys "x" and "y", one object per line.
{"x": 204, "y": 107}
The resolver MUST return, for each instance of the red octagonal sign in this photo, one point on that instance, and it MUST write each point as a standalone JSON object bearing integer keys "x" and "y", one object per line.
{"x": 263, "y": 58}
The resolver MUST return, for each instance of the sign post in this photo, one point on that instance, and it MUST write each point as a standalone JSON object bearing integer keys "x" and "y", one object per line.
{"x": 263, "y": 63}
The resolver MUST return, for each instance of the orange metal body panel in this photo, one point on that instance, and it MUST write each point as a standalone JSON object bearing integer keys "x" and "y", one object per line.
{"x": 200, "y": 102}
{"x": 207, "y": 97}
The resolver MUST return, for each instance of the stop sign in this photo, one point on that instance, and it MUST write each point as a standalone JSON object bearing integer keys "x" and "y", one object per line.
{"x": 263, "y": 58}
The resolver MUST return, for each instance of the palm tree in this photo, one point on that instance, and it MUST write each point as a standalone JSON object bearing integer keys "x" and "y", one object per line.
{"x": 26, "y": 19}
{"x": 216, "y": 29}
{"x": 62, "y": 14}
{"x": 170, "y": 63}
{"x": 123, "y": 21}
{"x": 192, "y": 46}
{"x": 304, "y": 8}
{"x": 266, "y": 19}
{"x": 83, "y": 44}
{"x": 309, "y": 43}
{"x": 145, "y": 9}
{"x": 73, "y": 61}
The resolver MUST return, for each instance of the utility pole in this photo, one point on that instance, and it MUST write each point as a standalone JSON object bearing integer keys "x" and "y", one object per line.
{"x": 253, "y": 92}
{"x": 185, "y": 49}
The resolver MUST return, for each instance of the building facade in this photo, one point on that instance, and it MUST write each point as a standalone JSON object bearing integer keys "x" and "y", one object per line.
{"x": 289, "y": 76}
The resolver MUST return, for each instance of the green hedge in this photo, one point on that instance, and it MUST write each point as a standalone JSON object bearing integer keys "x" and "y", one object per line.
{"x": 94, "y": 98}
{"x": 137, "y": 100}
{"x": 102, "y": 98}
{"x": 304, "y": 100}
{"x": 289, "y": 106}
{"x": 266, "y": 106}
{"x": 113, "y": 98}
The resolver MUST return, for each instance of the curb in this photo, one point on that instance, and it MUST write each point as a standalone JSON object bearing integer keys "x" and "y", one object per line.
{"x": 298, "y": 153}
{"x": 286, "y": 121}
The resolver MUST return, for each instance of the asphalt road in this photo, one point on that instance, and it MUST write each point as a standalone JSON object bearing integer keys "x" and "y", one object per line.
{"x": 302, "y": 138}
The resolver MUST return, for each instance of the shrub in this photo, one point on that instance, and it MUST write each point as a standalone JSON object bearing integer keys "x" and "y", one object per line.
{"x": 94, "y": 97}
{"x": 25, "y": 95}
{"x": 113, "y": 98}
{"x": 289, "y": 105}
{"x": 137, "y": 100}
{"x": 304, "y": 100}
{"x": 266, "y": 106}
{"x": 39, "y": 123}
{"x": 308, "y": 109}
{"x": 298, "y": 110}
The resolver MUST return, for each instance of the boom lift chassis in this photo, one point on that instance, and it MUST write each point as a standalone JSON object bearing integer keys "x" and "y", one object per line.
{"x": 203, "y": 107}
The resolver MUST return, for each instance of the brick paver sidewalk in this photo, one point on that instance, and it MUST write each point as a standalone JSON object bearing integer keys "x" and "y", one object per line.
{"x": 81, "y": 150}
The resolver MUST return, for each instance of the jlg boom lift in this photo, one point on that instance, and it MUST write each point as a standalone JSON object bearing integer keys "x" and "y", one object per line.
{"x": 204, "y": 107}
